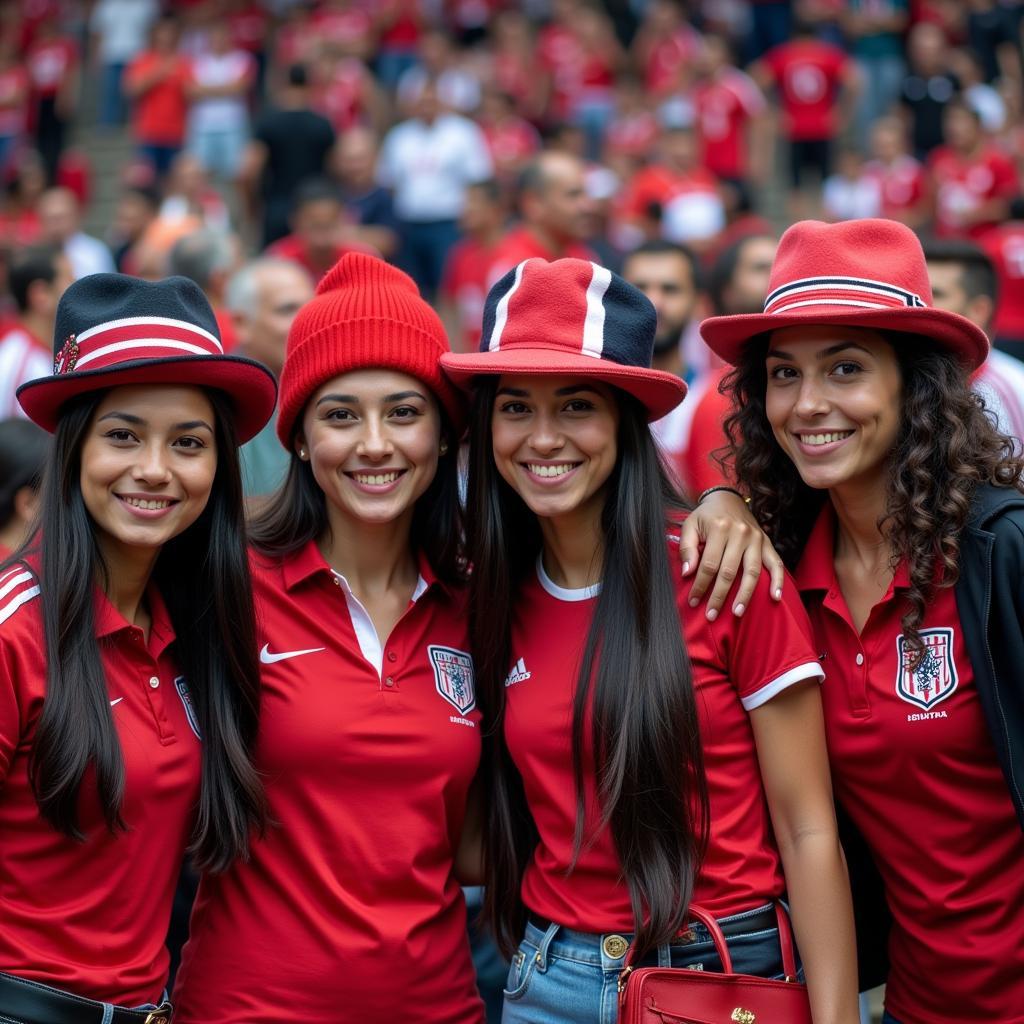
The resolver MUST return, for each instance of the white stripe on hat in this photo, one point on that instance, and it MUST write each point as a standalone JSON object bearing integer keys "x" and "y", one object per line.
{"x": 147, "y": 321}
{"x": 593, "y": 325}
{"x": 148, "y": 343}
{"x": 879, "y": 289}
{"x": 501, "y": 311}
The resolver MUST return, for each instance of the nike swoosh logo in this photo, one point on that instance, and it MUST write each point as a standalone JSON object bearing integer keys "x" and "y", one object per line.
{"x": 268, "y": 659}
{"x": 118, "y": 701}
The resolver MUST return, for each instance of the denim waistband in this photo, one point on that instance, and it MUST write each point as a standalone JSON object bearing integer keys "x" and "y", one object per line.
{"x": 597, "y": 948}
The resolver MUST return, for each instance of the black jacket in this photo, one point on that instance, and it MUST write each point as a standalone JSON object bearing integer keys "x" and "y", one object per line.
{"x": 990, "y": 602}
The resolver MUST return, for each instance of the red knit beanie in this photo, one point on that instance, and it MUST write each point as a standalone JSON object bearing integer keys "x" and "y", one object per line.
{"x": 365, "y": 313}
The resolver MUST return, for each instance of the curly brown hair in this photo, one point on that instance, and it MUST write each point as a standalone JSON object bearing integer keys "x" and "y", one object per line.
{"x": 948, "y": 444}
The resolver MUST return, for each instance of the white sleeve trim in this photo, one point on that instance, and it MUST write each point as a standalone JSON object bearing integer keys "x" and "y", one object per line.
{"x": 809, "y": 670}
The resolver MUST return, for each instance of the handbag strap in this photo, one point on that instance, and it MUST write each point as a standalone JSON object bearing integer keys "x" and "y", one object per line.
{"x": 786, "y": 946}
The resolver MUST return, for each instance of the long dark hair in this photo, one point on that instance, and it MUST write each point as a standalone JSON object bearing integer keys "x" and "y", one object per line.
{"x": 297, "y": 512}
{"x": 947, "y": 446}
{"x": 646, "y": 738}
{"x": 203, "y": 577}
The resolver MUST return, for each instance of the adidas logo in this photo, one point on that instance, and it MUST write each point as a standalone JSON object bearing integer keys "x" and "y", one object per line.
{"x": 518, "y": 673}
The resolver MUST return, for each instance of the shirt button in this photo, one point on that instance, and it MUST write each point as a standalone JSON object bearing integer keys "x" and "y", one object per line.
{"x": 154, "y": 681}
{"x": 860, "y": 659}
{"x": 392, "y": 656}
{"x": 389, "y": 681}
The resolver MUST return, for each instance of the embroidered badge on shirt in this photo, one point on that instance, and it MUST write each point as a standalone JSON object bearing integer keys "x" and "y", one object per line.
{"x": 186, "y": 700}
{"x": 935, "y": 677}
{"x": 453, "y": 676}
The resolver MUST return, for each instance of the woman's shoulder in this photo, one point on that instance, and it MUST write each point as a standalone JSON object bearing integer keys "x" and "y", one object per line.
{"x": 994, "y": 507}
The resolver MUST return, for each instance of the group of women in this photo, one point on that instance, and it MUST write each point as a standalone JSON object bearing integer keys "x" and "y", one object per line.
{"x": 404, "y": 673}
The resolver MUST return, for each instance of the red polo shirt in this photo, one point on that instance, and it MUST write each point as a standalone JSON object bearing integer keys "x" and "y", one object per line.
{"x": 913, "y": 764}
{"x": 91, "y": 917}
{"x": 347, "y": 910}
{"x": 738, "y": 664}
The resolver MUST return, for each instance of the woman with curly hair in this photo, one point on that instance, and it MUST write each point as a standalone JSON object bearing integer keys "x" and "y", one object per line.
{"x": 884, "y": 483}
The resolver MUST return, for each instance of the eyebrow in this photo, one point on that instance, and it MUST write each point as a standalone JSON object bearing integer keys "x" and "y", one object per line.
{"x": 138, "y": 421}
{"x": 398, "y": 396}
{"x": 824, "y": 354}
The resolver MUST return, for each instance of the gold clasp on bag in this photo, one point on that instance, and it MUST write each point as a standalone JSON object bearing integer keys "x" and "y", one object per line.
{"x": 741, "y": 1016}
{"x": 623, "y": 978}
{"x": 161, "y": 1015}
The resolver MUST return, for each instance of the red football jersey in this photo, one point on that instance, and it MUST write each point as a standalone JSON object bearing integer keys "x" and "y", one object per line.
{"x": 724, "y": 106}
{"x": 962, "y": 184}
{"x": 91, "y": 917}
{"x": 914, "y": 765}
{"x": 348, "y": 908}
{"x": 901, "y": 184}
{"x": 738, "y": 665}
{"x": 808, "y": 74}
{"x": 464, "y": 285}
{"x": 1005, "y": 248}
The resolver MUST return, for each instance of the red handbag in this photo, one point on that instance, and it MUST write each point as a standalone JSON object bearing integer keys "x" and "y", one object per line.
{"x": 675, "y": 995}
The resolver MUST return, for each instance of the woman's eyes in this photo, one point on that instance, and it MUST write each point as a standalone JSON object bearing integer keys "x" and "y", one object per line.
{"x": 120, "y": 436}
{"x": 514, "y": 408}
{"x": 843, "y": 369}
{"x": 405, "y": 412}
{"x": 573, "y": 405}
{"x": 339, "y": 414}
{"x": 846, "y": 369}
{"x": 190, "y": 443}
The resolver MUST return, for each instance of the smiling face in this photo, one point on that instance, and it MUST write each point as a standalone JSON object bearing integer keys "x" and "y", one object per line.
{"x": 147, "y": 467}
{"x": 555, "y": 442}
{"x": 372, "y": 438}
{"x": 833, "y": 402}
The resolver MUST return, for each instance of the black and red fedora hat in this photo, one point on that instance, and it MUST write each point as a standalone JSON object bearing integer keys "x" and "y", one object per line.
{"x": 570, "y": 317}
{"x": 861, "y": 273}
{"x": 112, "y": 330}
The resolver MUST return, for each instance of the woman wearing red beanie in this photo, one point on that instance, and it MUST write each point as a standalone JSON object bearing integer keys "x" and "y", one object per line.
{"x": 349, "y": 908}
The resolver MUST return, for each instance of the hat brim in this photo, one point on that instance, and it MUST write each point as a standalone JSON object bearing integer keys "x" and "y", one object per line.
{"x": 249, "y": 384}
{"x": 727, "y": 336}
{"x": 659, "y": 392}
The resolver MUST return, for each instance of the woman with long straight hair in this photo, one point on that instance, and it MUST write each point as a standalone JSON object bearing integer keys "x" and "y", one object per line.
{"x": 128, "y": 703}
{"x": 898, "y": 505}
{"x": 641, "y": 756}
{"x": 350, "y": 907}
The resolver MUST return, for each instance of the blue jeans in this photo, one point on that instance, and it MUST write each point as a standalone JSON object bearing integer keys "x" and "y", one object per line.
{"x": 561, "y": 976}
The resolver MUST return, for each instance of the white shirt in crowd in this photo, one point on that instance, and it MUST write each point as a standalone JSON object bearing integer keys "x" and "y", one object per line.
{"x": 1000, "y": 381}
{"x": 428, "y": 166}
{"x": 88, "y": 255}
{"x": 220, "y": 113}
{"x": 21, "y": 359}
{"x": 122, "y": 27}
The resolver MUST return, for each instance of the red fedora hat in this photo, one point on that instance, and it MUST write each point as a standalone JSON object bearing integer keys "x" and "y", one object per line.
{"x": 862, "y": 273}
{"x": 570, "y": 317}
{"x": 112, "y": 329}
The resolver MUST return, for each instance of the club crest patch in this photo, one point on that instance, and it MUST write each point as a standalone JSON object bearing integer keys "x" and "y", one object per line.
{"x": 935, "y": 677}
{"x": 453, "y": 676}
{"x": 67, "y": 357}
{"x": 186, "y": 702}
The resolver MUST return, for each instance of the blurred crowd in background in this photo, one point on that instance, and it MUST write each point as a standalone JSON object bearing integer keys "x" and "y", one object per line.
{"x": 668, "y": 140}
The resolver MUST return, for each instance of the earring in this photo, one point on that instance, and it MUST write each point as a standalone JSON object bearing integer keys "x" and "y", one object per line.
{"x": 444, "y": 448}
{"x": 302, "y": 453}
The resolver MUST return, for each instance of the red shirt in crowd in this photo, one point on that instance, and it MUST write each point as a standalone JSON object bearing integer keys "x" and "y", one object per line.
{"x": 511, "y": 141}
{"x": 914, "y": 766}
{"x": 574, "y": 69}
{"x": 464, "y": 286}
{"x": 632, "y": 134}
{"x": 291, "y": 247}
{"x": 808, "y": 74}
{"x": 962, "y": 184}
{"x": 344, "y": 97}
{"x": 666, "y": 57}
{"x": 522, "y": 244}
{"x": 724, "y": 106}
{"x": 689, "y": 200}
{"x": 367, "y": 750}
{"x": 14, "y": 87}
{"x": 160, "y": 111}
{"x": 738, "y": 665}
{"x": 1005, "y": 248}
{"x": 50, "y": 62}
{"x": 249, "y": 27}
{"x": 91, "y": 917}
{"x": 901, "y": 185}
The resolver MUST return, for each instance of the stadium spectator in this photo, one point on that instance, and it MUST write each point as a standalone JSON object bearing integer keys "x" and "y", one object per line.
{"x": 983, "y": 98}
{"x": 465, "y": 280}
{"x": 730, "y": 111}
{"x": 666, "y": 49}
{"x": 14, "y": 94}
{"x": 119, "y": 30}
{"x": 633, "y": 129}
{"x": 993, "y": 32}
{"x": 511, "y": 139}
{"x": 852, "y": 191}
{"x": 817, "y": 85}
{"x": 964, "y": 281}
{"x": 874, "y": 29}
{"x": 512, "y": 67}
{"x": 458, "y": 88}
{"x": 290, "y": 144}
{"x": 137, "y": 208}
{"x": 427, "y": 161}
{"x": 23, "y": 448}
{"x": 218, "y": 90}
{"x": 321, "y": 234}
{"x": 676, "y": 196}
{"x": 346, "y": 26}
{"x": 901, "y": 181}
{"x": 399, "y": 24}
{"x": 52, "y": 63}
{"x": 1005, "y": 248}
{"x": 263, "y": 298}
{"x": 928, "y": 86}
{"x": 553, "y": 205}
{"x": 156, "y": 84}
{"x": 208, "y": 257}
{"x": 972, "y": 180}
{"x": 37, "y": 277}
{"x": 60, "y": 224}
{"x": 369, "y": 205}
{"x": 19, "y": 218}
